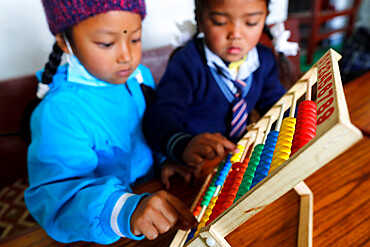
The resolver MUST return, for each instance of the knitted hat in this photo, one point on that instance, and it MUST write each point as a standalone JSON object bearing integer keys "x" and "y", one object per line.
{"x": 62, "y": 14}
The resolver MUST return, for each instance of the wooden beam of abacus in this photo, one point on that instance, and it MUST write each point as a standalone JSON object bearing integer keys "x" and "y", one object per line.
{"x": 305, "y": 227}
{"x": 335, "y": 134}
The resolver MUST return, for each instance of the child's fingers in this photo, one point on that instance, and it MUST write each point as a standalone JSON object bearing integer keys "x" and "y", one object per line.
{"x": 168, "y": 219}
{"x": 164, "y": 219}
{"x": 222, "y": 145}
{"x": 159, "y": 212}
{"x": 186, "y": 174}
{"x": 166, "y": 181}
{"x": 206, "y": 152}
{"x": 229, "y": 145}
{"x": 167, "y": 172}
{"x": 148, "y": 230}
{"x": 194, "y": 160}
{"x": 219, "y": 148}
{"x": 189, "y": 173}
{"x": 182, "y": 210}
{"x": 148, "y": 220}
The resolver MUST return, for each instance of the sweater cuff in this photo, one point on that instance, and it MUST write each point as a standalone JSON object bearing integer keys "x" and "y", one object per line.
{"x": 116, "y": 215}
{"x": 176, "y": 145}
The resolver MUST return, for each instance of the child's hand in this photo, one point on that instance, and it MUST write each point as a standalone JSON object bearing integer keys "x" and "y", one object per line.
{"x": 206, "y": 146}
{"x": 158, "y": 213}
{"x": 170, "y": 168}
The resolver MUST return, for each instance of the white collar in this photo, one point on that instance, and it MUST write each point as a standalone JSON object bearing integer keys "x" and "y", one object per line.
{"x": 77, "y": 73}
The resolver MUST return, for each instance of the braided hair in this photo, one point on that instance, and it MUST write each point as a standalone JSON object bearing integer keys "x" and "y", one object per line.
{"x": 51, "y": 66}
{"x": 55, "y": 58}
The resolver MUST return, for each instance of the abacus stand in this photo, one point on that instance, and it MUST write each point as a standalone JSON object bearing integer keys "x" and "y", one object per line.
{"x": 335, "y": 134}
{"x": 305, "y": 227}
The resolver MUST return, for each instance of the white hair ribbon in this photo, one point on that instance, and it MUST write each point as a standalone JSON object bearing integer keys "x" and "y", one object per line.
{"x": 280, "y": 40}
{"x": 42, "y": 89}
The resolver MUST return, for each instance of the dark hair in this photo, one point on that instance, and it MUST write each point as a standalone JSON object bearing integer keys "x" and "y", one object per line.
{"x": 51, "y": 66}
{"x": 55, "y": 58}
{"x": 200, "y": 4}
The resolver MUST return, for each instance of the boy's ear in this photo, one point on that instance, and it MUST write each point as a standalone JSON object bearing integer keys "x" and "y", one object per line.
{"x": 61, "y": 43}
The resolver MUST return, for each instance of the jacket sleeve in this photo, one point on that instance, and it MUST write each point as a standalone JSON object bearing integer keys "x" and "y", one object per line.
{"x": 163, "y": 121}
{"x": 65, "y": 196}
{"x": 272, "y": 89}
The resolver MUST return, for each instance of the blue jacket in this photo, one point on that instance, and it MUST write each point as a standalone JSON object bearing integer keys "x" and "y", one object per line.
{"x": 189, "y": 100}
{"x": 87, "y": 149}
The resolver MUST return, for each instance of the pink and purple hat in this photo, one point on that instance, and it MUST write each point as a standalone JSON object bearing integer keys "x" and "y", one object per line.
{"x": 62, "y": 14}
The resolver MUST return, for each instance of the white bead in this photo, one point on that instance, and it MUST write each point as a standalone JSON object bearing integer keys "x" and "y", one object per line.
{"x": 210, "y": 242}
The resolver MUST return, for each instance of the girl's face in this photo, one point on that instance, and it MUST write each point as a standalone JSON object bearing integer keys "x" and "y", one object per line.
{"x": 108, "y": 45}
{"x": 232, "y": 27}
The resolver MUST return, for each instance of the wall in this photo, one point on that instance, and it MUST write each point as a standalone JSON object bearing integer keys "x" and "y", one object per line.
{"x": 25, "y": 40}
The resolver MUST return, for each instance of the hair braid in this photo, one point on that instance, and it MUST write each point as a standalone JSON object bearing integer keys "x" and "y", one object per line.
{"x": 51, "y": 66}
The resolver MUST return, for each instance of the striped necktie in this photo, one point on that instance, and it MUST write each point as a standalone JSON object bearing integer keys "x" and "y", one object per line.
{"x": 239, "y": 114}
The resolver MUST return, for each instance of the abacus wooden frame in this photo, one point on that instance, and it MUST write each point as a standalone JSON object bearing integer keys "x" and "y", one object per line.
{"x": 334, "y": 135}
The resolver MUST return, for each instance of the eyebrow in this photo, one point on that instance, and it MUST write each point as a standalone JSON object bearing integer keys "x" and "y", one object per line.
{"x": 137, "y": 29}
{"x": 247, "y": 14}
{"x": 105, "y": 31}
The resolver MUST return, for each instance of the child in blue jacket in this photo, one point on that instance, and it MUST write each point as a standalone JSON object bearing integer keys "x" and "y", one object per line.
{"x": 87, "y": 143}
{"x": 213, "y": 83}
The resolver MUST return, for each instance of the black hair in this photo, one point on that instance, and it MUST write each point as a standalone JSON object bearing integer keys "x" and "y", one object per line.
{"x": 55, "y": 58}
{"x": 51, "y": 66}
{"x": 201, "y": 4}
{"x": 284, "y": 65}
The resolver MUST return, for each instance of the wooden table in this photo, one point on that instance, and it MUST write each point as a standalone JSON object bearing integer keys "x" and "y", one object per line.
{"x": 341, "y": 199}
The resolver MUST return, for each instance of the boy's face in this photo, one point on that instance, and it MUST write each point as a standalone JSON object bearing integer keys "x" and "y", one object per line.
{"x": 232, "y": 27}
{"x": 108, "y": 45}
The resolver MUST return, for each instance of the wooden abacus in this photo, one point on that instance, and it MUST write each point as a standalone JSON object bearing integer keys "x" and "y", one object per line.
{"x": 293, "y": 151}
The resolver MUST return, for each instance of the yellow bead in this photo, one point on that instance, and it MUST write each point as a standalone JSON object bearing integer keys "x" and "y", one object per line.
{"x": 284, "y": 143}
